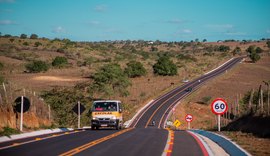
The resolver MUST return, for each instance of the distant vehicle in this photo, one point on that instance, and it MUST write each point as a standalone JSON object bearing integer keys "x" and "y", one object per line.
{"x": 185, "y": 81}
{"x": 106, "y": 113}
{"x": 189, "y": 89}
{"x": 153, "y": 123}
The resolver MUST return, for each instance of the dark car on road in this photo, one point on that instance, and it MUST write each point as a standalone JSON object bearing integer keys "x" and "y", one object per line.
{"x": 189, "y": 89}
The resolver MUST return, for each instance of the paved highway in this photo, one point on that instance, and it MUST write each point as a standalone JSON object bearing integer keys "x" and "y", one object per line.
{"x": 141, "y": 138}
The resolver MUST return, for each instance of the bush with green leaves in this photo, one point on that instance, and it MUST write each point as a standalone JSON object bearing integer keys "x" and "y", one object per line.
{"x": 34, "y": 36}
{"x": 268, "y": 44}
{"x": 37, "y": 44}
{"x": 110, "y": 80}
{"x": 23, "y": 36}
{"x": 60, "y": 62}
{"x": 165, "y": 67}
{"x": 62, "y": 102}
{"x": 1, "y": 66}
{"x": 37, "y": 66}
{"x": 254, "y": 57}
{"x": 237, "y": 50}
{"x": 7, "y": 131}
{"x": 206, "y": 99}
{"x": 224, "y": 48}
{"x": 135, "y": 69}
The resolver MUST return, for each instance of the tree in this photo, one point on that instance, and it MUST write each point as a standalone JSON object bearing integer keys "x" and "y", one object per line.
{"x": 1, "y": 66}
{"x": 258, "y": 50}
{"x": 268, "y": 44}
{"x": 37, "y": 66}
{"x": 110, "y": 80}
{"x": 12, "y": 40}
{"x": 34, "y": 36}
{"x": 236, "y": 50}
{"x": 59, "y": 62}
{"x": 204, "y": 40}
{"x": 224, "y": 48}
{"x": 23, "y": 36}
{"x": 165, "y": 66}
{"x": 154, "y": 48}
{"x": 135, "y": 69}
{"x": 254, "y": 57}
{"x": 251, "y": 49}
{"x": 37, "y": 44}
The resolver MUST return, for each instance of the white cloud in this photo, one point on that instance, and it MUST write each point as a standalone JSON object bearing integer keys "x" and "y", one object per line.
{"x": 184, "y": 31}
{"x": 187, "y": 31}
{"x": 94, "y": 23}
{"x": 101, "y": 8}
{"x": 58, "y": 29}
{"x": 7, "y": 1}
{"x": 235, "y": 33}
{"x": 220, "y": 26}
{"x": 7, "y": 22}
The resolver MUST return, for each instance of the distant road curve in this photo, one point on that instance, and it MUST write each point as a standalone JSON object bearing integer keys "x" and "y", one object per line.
{"x": 158, "y": 110}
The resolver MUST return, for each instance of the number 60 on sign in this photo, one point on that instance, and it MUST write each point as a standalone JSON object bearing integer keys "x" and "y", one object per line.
{"x": 219, "y": 106}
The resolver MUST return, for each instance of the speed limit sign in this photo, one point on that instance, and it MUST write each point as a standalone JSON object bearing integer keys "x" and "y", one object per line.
{"x": 219, "y": 106}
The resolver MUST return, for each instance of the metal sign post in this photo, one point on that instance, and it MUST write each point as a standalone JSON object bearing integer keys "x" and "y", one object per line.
{"x": 218, "y": 122}
{"x": 79, "y": 114}
{"x": 21, "y": 123}
{"x": 189, "y": 119}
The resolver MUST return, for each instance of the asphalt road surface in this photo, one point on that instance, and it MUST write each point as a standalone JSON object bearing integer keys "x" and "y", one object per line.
{"x": 142, "y": 138}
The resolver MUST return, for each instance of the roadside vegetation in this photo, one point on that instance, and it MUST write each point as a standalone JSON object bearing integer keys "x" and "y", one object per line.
{"x": 131, "y": 71}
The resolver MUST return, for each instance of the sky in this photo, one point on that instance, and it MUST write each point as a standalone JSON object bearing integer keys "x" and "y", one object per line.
{"x": 165, "y": 20}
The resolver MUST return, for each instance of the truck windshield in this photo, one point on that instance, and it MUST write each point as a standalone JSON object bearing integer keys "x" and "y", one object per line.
{"x": 105, "y": 106}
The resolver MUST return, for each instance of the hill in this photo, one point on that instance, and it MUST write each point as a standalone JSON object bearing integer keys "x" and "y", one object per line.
{"x": 247, "y": 130}
{"x": 86, "y": 58}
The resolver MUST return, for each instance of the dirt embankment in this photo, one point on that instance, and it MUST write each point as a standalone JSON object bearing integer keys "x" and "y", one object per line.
{"x": 231, "y": 86}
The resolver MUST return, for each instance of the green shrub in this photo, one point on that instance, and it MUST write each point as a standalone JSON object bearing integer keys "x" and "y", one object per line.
{"x": 37, "y": 66}
{"x": 135, "y": 69}
{"x": 268, "y": 44}
{"x": 62, "y": 102}
{"x": 206, "y": 99}
{"x": 165, "y": 67}
{"x": 34, "y": 36}
{"x": 25, "y": 43}
{"x": 37, "y": 44}
{"x": 1, "y": 66}
{"x": 89, "y": 61}
{"x": 224, "y": 48}
{"x": 111, "y": 80}
{"x": 23, "y": 36}
{"x": 7, "y": 131}
{"x": 2, "y": 79}
{"x": 60, "y": 62}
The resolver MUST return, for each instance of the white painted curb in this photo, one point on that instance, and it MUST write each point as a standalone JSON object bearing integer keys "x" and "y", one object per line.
{"x": 219, "y": 66}
{"x": 127, "y": 123}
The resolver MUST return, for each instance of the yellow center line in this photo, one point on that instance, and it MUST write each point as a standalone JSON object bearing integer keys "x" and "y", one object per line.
{"x": 92, "y": 143}
{"x": 159, "y": 108}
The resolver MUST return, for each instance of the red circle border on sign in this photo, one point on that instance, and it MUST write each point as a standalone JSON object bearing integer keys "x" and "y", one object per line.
{"x": 219, "y": 99}
{"x": 186, "y": 117}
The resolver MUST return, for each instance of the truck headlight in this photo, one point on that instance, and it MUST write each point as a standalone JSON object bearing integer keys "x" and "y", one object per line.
{"x": 94, "y": 118}
{"x": 114, "y": 117}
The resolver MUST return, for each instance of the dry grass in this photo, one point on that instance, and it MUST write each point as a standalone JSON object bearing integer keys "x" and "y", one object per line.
{"x": 239, "y": 80}
{"x": 142, "y": 89}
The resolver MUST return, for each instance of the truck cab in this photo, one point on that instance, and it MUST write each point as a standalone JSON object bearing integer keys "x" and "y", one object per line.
{"x": 106, "y": 113}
